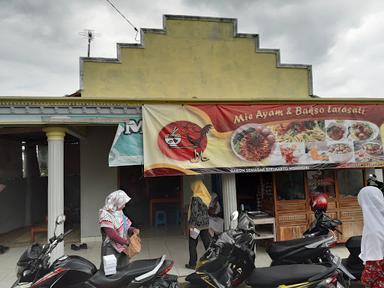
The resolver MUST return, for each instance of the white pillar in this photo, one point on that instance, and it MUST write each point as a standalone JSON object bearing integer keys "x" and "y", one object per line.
{"x": 55, "y": 137}
{"x": 379, "y": 174}
{"x": 229, "y": 198}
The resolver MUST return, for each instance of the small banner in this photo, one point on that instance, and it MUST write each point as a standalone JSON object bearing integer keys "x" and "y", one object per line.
{"x": 127, "y": 147}
{"x": 198, "y": 139}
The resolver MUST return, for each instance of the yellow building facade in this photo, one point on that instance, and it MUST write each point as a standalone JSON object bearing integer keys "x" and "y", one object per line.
{"x": 190, "y": 60}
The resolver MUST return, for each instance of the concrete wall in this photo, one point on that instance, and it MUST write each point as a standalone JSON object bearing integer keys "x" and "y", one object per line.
{"x": 97, "y": 179}
{"x": 194, "y": 59}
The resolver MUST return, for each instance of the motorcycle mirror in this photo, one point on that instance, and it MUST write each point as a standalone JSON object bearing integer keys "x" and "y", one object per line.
{"x": 60, "y": 219}
{"x": 234, "y": 215}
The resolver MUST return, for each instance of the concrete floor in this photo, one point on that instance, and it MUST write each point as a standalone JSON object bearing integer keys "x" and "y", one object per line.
{"x": 155, "y": 242}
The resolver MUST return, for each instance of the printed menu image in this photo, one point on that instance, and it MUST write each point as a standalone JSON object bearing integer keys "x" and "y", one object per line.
{"x": 299, "y": 131}
{"x": 252, "y": 142}
{"x": 246, "y": 138}
{"x": 369, "y": 151}
{"x": 317, "y": 152}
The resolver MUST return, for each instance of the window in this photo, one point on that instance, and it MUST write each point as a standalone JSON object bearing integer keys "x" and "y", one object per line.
{"x": 321, "y": 182}
{"x": 290, "y": 185}
{"x": 350, "y": 182}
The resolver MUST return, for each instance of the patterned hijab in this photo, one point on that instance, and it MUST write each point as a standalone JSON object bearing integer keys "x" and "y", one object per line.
{"x": 112, "y": 210}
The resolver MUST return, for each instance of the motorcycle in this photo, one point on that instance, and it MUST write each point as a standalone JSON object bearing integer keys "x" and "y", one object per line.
{"x": 34, "y": 270}
{"x": 284, "y": 252}
{"x": 230, "y": 261}
{"x": 312, "y": 248}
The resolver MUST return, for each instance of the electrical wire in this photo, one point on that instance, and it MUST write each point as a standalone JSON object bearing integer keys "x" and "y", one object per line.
{"x": 122, "y": 15}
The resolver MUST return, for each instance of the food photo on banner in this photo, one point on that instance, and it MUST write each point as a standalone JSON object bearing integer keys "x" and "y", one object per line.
{"x": 198, "y": 139}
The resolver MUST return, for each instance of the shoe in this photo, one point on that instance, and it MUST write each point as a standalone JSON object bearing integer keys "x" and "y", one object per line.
{"x": 75, "y": 247}
{"x": 83, "y": 246}
{"x": 189, "y": 266}
{"x": 3, "y": 249}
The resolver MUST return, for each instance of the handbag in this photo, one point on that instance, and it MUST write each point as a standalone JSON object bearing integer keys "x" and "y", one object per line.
{"x": 134, "y": 246}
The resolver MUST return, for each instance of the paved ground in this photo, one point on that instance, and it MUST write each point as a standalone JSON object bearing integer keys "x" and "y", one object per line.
{"x": 155, "y": 244}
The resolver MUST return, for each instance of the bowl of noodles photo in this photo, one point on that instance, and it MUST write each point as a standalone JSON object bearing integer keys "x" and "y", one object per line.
{"x": 252, "y": 142}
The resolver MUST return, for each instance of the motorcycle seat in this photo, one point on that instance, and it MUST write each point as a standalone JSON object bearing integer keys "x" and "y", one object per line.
{"x": 278, "y": 249}
{"x": 354, "y": 243}
{"x": 286, "y": 274}
{"x": 124, "y": 274}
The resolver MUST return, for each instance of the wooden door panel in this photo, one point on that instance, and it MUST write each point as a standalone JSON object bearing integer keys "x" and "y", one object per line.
{"x": 293, "y": 219}
{"x": 291, "y": 206}
{"x": 288, "y": 232}
{"x": 350, "y": 229}
{"x": 351, "y": 215}
{"x": 348, "y": 202}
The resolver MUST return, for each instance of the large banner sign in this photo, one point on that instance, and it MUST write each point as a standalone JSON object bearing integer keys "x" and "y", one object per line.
{"x": 197, "y": 139}
{"x": 127, "y": 147}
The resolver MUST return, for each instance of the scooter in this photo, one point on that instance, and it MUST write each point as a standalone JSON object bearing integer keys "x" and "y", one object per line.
{"x": 229, "y": 261}
{"x": 312, "y": 248}
{"x": 35, "y": 271}
{"x": 286, "y": 252}
{"x": 298, "y": 251}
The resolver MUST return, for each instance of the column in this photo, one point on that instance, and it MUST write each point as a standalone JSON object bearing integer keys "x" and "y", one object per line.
{"x": 229, "y": 199}
{"x": 55, "y": 137}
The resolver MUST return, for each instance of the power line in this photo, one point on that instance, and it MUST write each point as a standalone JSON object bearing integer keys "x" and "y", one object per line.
{"x": 122, "y": 15}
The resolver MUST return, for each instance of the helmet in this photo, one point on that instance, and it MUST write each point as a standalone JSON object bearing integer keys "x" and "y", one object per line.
{"x": 319, "y": 202}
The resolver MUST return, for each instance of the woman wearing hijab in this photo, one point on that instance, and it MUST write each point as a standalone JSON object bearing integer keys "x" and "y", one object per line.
{"x": 198, "y": 220}
{"x": 371, "y": 201}
{"x": 115, "y": 227}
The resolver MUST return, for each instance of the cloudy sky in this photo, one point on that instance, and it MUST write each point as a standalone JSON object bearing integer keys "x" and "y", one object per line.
{"x": 342, "y": 39}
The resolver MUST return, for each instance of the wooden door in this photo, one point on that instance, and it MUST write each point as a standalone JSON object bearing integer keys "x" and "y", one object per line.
{"x": 292, "y": 219}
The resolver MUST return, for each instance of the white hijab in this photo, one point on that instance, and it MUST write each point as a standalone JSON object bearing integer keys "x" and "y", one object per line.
{"x": 112, "y": 210}
{"x": 371, "y": 200}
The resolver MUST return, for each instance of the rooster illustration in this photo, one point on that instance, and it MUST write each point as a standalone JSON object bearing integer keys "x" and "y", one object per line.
{"x": 203, "y": 132}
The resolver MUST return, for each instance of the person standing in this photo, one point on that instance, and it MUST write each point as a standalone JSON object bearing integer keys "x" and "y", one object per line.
{"x": 198, "y": 220}
{"x": 115, "y": 227}
{"x": 371, "y": 201}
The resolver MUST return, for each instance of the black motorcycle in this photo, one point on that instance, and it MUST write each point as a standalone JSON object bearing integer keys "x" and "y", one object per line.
{"x": 312, "y": 248}
{"x": 34, "y": 270}
{"x": 229, "y": 261}
{"x": 295, "y": 251}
